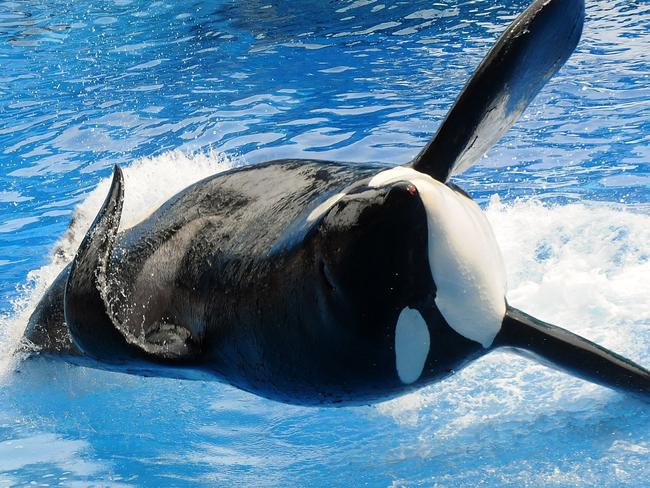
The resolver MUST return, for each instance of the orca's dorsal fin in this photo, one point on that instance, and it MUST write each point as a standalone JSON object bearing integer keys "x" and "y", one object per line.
{"x": 527, "y": 54}
{"x": 86, "y": 304}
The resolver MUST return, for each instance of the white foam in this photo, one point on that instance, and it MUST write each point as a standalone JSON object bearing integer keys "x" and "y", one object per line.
{"x": 148, "y": 183}
{"x": 592, "y": 258}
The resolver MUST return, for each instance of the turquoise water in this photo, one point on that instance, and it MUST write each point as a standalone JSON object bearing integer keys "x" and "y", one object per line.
{"x": 174, "y": 92}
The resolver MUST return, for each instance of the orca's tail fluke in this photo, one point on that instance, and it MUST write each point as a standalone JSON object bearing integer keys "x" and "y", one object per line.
{"x": 571, "y": 353}
{"x": 523, "y": 59}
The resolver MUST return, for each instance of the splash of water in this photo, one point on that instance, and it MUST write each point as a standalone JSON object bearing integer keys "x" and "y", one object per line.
{"x": 148, "y": 182}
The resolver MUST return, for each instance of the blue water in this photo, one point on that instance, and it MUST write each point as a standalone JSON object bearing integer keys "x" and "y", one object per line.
{"x": 195, "y": 87}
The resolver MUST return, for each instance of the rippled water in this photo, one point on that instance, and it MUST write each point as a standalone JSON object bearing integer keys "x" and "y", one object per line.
{"x": 85, "y": 85}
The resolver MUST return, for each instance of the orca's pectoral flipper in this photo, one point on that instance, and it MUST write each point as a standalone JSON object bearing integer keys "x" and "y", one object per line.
{"x": 86, "y": 314}
{"x": 87, "y": 310}
{"x": 527, "y": 54}
{"x": 569, "y": 352}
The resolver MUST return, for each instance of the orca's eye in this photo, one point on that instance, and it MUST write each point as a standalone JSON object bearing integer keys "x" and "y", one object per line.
{"x": 411, "y": 189}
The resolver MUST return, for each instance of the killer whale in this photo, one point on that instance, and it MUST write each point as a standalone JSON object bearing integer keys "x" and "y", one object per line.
{"x": 327, "y": 283}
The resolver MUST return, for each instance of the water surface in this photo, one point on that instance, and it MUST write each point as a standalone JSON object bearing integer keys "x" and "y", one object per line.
{"x": 197, "y": 87}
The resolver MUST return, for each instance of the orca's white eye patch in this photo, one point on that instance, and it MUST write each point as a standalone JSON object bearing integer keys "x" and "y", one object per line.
{"x": 412, "y": 344}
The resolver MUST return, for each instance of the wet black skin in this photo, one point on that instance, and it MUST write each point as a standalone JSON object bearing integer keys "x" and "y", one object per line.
{"x": 295, "y": 310}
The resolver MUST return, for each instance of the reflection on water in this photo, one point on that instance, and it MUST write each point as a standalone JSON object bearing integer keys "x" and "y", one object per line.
{"x": 48, "y": 457}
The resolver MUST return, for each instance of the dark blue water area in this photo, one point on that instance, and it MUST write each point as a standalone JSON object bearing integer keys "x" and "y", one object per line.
{"x": 86, "y": 85}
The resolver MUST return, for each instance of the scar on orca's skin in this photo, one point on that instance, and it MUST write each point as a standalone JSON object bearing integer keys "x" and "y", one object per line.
{"x": 322, "y": 282}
